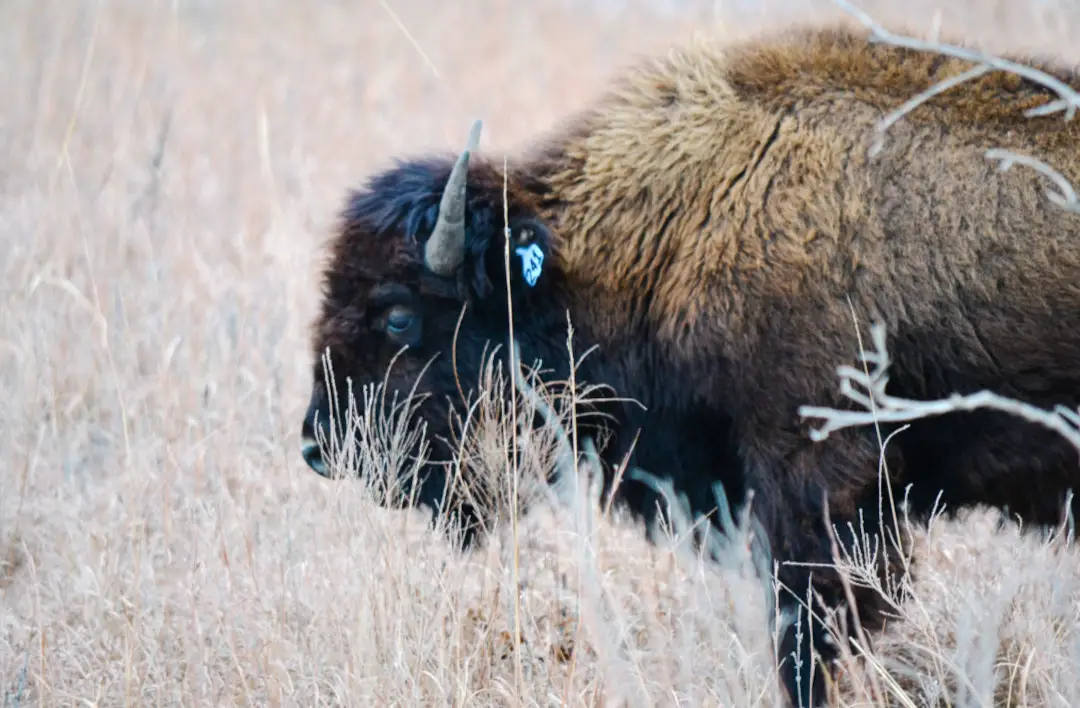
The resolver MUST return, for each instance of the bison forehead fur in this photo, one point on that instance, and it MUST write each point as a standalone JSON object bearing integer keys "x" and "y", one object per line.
{"x": 710, "y": 224}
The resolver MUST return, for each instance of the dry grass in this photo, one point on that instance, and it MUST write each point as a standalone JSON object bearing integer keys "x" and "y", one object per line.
{"x": 167, "y": 172}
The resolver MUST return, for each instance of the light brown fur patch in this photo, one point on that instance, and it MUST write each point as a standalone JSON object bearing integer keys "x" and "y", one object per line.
{"x": 724, "y": 179}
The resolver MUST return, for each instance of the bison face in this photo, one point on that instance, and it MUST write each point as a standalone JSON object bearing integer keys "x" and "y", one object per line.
{"x": 414, "y": 297}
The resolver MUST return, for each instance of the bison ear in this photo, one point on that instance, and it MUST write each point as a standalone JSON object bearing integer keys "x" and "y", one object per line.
{"x": 528, "y": 257}
{"x": 528, "y": 243}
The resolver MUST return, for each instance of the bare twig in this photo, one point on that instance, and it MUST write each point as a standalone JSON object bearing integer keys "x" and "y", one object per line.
{"x": 911, "y": 104}
{"x": 1066, "y": 198}
{"x": 1068, "y": 99}
{"x": 891, "y": 409}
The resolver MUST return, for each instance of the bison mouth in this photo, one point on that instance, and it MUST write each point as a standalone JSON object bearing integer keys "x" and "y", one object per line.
{"x": 447, "y": 451}
{"x": 311, "y": 451}
{"x": 372, "y": 432}
{"x": 386, "y": 443}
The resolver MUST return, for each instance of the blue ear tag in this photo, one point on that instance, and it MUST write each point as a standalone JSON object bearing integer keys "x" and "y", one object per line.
{"x": 532, "y": 261}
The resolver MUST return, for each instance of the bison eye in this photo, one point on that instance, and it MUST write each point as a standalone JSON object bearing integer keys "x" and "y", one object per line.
{"x": 402, "y": 324}
{"x": 399, "y": 320}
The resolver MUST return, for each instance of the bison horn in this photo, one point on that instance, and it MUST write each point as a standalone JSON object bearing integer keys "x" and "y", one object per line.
{"x": 445, "y": 249}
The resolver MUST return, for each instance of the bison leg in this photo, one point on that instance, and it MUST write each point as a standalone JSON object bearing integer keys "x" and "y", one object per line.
{"x": 691, "y": 449}
{"x": 791, "y": 477}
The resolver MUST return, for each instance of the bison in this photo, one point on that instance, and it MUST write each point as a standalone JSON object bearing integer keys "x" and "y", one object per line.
{"x": 711, "y": 224}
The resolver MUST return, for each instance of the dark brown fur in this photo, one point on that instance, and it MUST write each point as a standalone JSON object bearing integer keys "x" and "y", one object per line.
{"x": 710, "y": 223}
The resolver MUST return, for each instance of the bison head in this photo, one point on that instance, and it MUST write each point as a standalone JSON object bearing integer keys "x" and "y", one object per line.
{"x": 415, "y": 296}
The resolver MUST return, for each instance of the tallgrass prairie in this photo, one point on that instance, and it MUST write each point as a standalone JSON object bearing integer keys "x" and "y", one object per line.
{"x": 169, "y": 172}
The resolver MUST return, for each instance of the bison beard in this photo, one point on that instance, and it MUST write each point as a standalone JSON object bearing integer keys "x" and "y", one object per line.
{"x": 710, "y": 225}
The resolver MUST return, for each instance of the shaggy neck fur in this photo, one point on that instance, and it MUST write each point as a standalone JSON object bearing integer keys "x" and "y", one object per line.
{"x": 647, "y": 192}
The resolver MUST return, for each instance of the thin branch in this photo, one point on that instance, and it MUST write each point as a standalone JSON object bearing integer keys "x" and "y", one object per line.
{"x": 1066, "y": 198}
{"x": 1068, "y": 99}
{"x": 893, "y": 409}
{"x": 908, "y": 106}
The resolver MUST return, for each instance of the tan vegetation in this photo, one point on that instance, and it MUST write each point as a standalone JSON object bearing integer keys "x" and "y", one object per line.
{"x": 167, "y": 174}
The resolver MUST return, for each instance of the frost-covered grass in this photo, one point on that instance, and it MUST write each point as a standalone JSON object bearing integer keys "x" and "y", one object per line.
{"x": 167, "y": 174}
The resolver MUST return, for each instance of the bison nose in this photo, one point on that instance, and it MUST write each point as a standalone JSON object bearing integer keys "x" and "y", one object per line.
{"x": 317, "y": 417}
{"x": 309, "y": 448}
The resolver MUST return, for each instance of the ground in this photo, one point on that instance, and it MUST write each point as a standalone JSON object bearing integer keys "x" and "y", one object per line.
{"x": 168, "y": 174}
